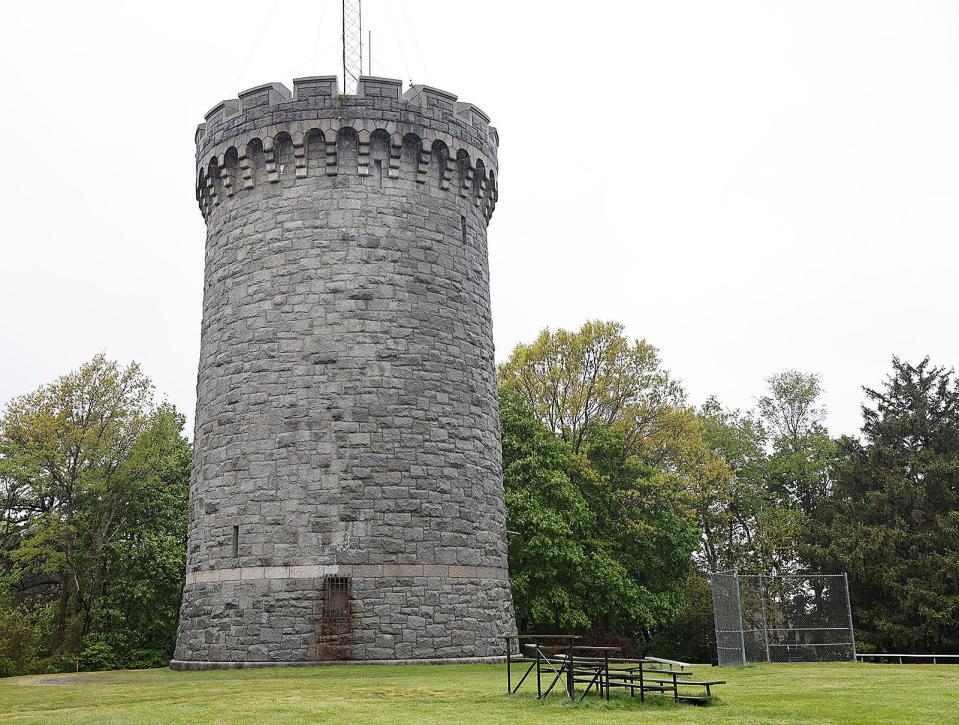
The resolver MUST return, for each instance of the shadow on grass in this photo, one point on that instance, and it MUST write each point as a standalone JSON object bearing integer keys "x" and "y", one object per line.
{"x": 616, "y": 702}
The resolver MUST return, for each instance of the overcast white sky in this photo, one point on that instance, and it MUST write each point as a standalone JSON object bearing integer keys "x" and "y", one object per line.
{"x": 750, "y": 186}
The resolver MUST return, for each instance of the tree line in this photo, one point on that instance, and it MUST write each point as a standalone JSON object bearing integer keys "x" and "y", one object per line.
{"x": 621, "y": 496}
{"x": 624, "y": 496}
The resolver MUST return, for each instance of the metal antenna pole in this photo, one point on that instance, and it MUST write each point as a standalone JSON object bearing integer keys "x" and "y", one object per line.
{"x": 352, "y": 44}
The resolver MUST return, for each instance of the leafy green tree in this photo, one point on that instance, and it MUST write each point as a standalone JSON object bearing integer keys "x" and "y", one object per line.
{"x": 548, "y": 521}
{"x": 573, "y": 380}
{"x": 634, "y": 456}
{"x": 645, "y": 522}
{"x": 729, "y": 513}
{"x": 597, "y": 544}
{"x": 802, "y": 450}
{"x": 781, "y": 459}
{"x": 690, "y": 634}
{"x": 893, "y": 521}
{"x": 63, "y": 445}
{"x": 92, "y": 539}
{"x": 747, "y": 527}
{"x": 137, "y": 611}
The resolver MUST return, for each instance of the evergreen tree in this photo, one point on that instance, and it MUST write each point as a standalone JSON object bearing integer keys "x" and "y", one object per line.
{"x": 893, "y": 522}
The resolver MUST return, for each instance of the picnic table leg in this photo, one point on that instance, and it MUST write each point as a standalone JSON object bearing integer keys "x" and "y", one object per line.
{"x": 569, "y": 671}
{"x": 539, "y": 686}
{"x": 675, "y": 687}
{"x": 606, "y": 672}
{"x": 642, "y": 684}
{"x": 509, "y": 682}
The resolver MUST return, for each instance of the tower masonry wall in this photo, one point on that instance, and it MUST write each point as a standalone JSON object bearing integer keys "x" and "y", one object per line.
{"x": 346, "y": 498}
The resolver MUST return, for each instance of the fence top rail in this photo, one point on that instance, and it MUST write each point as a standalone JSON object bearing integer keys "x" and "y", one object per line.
{"x": 790, "y": 576}
{"x": 783, "y": 629}
{"x": 796, "y": 645}
{"x": 800, "y": 629}
{"x": 777, "y": 576}
{"x": 888, "y": 654}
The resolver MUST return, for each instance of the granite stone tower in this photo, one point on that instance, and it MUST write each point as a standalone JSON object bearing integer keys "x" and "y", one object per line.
{"x": 346, "y": 499}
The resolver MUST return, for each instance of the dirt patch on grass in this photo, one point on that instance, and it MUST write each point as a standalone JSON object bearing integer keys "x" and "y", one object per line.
{"x": 65, "y": 680}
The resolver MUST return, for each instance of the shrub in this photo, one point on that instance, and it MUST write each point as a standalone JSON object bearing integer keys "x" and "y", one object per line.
{"x": 98, "y": 655}
{"x": 147, "y": 658}
{"x": 8, "y": 668}
{"x": 16, "y": 641}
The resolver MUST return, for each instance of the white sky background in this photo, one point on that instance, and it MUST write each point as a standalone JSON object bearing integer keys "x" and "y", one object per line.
{"x": 750, "y": 186}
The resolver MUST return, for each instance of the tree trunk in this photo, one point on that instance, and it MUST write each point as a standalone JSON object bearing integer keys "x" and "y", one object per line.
{"x": 62, "y": 608}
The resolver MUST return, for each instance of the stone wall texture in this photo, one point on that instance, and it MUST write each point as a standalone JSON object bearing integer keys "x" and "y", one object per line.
{"x": 346, "y": 500}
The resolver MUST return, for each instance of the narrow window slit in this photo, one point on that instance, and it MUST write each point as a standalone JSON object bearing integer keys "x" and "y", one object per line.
{"x": 463, "y": 227}
{"x": 378, "y": 172}
{"x": 236, "y": 541}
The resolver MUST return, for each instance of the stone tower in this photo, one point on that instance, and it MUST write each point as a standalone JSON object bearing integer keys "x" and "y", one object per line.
{"x": 347, "y": 498}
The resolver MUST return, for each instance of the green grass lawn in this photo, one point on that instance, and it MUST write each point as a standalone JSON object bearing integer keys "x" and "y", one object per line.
{"x": 808, "y": 693}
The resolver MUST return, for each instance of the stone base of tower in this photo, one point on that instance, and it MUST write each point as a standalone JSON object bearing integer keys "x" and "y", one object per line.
{"x": 275, "y": 616}
{"x": 191, "y": 666}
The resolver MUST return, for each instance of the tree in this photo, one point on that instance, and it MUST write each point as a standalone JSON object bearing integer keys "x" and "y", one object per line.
{"x": 137, "y": 611}
{"x": 690, "y": 635}
{"x": 730, "y": 512}
{"x": 781, "y": 458}
{"x": 572, "y": 380}
{"x": 548, "y": 521}
{"x": 635, "y": 458}
{"x": 645, "y": 522}
{"x": 789, "y": 407}
{"x": 893, "y": 522}
{"x": 96, "y": 483}
{"x": 802, "y": 450}
{"x": 63, "y": 444}
{"x": 597, "y": 544}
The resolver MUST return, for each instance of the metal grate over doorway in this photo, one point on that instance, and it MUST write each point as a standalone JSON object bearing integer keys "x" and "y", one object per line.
{"x": 333, "y": 633}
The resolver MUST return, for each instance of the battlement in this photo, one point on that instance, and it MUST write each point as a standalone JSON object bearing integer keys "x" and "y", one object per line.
{"x": 325, "y": 88}
{"x": 423, "y": 134}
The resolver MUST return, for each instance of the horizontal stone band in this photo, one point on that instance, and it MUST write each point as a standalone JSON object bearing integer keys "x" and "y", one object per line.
{"x": 359, "y": 571}
{"x": 195, "y": 665}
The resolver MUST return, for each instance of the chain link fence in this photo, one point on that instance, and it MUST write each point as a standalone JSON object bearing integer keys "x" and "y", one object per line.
{"x": 787, "y": 618}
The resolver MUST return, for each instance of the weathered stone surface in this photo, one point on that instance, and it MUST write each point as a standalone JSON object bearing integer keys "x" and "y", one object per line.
{"x": 347, "y": 424}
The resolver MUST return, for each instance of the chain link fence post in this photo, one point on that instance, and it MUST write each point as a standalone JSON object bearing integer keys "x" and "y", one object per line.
{"x": 762, "y": 607}
{"x": 852, "y": 630}
{"x": 742, "y": 627}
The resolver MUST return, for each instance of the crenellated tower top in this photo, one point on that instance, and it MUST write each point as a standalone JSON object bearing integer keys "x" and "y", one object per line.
{"x": 424, "y": 135}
